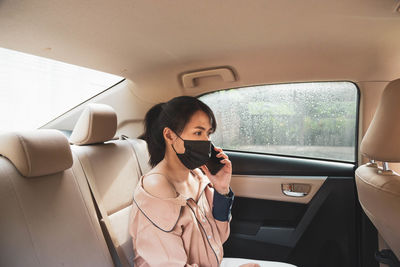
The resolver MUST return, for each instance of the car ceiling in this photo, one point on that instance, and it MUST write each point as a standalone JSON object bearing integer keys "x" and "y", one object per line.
{"x": 152, "y": 42}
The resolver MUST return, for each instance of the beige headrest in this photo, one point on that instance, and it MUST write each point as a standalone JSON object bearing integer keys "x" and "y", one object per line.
{"x": 382, "y": 139}
{"x": 97, "y": 124}
{"x": 37, "y": 153}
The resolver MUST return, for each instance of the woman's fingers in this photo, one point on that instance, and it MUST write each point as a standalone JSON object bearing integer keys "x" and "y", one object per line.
{"x": 227, "y": 162}
{"x": 205, "y": 170}
{"x": 222, "y": 155}
{"x": 250, "y": 265}
{"x": 218, "y": 149}
{"x": 208, "y": 174}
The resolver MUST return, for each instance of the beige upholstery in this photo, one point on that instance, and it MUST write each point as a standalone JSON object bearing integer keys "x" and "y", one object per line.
{"x": 115, "y": 171}
{"x": 378, "y": 190}
{"x": 381, "y": 141}
{"x": 97, "y": 124}
{"x": 114, "y": 168}
{"x": 37, "y": 153}
{"x": 48, "y": 220}
{"x": 380, "y": 199}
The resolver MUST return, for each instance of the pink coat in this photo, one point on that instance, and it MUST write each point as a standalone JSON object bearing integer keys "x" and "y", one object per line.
{"x": 177, "y": 231}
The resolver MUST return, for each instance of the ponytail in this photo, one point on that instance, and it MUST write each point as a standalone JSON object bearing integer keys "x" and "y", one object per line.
{"x": 153, "y": 134}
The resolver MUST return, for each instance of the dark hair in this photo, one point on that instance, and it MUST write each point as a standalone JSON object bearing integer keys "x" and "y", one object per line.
{"x": 174, "y": 114}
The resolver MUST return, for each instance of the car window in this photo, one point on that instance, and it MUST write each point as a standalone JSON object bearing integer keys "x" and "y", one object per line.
{"x": 316, "y": 120}
{"x": 35, "y": 90}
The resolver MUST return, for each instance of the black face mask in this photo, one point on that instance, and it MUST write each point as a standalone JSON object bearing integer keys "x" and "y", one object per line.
{"x": 197, "y": 153}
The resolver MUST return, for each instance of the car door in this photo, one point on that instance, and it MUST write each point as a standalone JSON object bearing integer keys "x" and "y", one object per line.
{"x": 295, "y": 210}
{"x": 293, "y": 149}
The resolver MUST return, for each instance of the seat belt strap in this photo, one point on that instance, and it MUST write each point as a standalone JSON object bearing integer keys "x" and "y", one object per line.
{"x": 87, "y": 169}
{"x": 139, "y": 148}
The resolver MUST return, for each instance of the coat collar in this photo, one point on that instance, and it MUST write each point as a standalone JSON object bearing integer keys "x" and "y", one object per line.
{"x": 164, "y": 213}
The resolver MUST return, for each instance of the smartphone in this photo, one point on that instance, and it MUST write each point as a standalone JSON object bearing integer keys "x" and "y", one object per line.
{"x": 214, "y": 164}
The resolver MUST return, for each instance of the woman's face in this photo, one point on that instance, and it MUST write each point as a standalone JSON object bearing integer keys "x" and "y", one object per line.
{"x": 198, "y": 128}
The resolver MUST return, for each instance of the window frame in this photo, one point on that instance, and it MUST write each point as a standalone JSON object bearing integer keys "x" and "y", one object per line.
{"x": 357, "y": 121}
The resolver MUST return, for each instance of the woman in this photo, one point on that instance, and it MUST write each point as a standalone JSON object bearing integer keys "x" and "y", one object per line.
{"x": 181, "y": 211}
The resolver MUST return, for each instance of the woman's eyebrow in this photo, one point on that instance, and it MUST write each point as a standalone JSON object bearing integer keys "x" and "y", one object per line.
{"x": 202, "y": 128}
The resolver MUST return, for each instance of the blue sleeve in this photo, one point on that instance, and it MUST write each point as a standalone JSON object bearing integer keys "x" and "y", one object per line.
{"x": 222, "y": 205}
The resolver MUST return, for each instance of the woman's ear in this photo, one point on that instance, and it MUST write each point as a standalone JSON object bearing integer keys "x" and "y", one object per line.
{"x": 169, "y": 135}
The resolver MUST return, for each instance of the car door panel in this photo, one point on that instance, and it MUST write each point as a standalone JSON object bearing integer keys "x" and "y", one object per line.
{"x": 318, "y": 229}
{"x": 271, "y": 187}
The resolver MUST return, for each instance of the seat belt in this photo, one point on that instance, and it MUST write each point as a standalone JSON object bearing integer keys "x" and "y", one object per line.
{"x": 104, "y": 220}
{"x": 139, "y": 149}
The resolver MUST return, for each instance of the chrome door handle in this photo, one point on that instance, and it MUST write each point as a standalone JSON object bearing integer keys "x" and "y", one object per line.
{"x": 296, "y": 190}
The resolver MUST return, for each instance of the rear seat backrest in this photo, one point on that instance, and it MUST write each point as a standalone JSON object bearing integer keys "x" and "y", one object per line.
{"x": 113, "y": 167}
{"x": 46, "y": 218}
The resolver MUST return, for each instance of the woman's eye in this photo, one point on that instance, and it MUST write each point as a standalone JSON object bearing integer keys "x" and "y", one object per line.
{"x": 198, "y": 133}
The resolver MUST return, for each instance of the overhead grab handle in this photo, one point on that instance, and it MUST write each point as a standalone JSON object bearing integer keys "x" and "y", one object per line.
{"x": 188, "y": 79}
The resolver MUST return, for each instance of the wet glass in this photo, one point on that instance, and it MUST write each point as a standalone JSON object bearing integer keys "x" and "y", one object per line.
{"x": 316, "y": 120}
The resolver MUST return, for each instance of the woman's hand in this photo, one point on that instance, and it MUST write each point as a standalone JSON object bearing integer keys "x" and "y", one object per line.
{"x": 250, "y": 265}
{"x": 221, "y": 179}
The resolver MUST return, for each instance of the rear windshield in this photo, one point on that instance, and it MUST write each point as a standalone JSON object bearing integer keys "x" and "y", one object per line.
{"x": 35, "y": 90}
